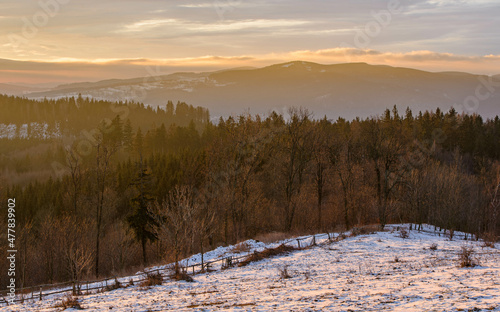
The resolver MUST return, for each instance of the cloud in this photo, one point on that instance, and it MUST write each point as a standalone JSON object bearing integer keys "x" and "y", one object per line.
{"x": 194, "y": 27}
{"x": 146, "y": 25}
{"x": 460, "y": 32}
{"x": 422, "y": 59}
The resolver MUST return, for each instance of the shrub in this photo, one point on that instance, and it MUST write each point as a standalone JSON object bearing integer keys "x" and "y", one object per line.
{"x": 341, "y": 236}
{"x": 69, "y": 302}
{"x": 488, "y": 244}
{"x": 434, "y": 246}
{"x": 368, "y": 229}
{"x": 180, "y": 274}
{"x": 465, "y": 256}
{"x": 403, "y": 233}
{"x": 152, "y": 279}
{"x": 355, "y": 232}
{"x": 489, "y": 240}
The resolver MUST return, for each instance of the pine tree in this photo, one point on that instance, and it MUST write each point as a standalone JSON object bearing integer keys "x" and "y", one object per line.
{"x": 127, "y": 135}
{"x": 140, "y": 221}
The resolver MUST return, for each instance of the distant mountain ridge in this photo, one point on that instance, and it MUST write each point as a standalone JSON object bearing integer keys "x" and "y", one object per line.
{"x": 347, "y": 90}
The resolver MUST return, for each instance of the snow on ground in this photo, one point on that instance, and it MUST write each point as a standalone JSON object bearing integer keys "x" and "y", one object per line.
{"x": 380, "y": 271}
{"x": 37, "y": 130}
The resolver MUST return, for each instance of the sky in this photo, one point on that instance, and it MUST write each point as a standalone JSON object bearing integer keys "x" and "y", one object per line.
{"x": 50, "y": 41}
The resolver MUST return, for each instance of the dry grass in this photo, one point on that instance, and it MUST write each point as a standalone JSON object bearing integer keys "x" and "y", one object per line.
{"x": 267, "y": 253}
{"x": 272, "y": 237}
{"x": 69, "y": 302}
{"x": 152, "y": 279}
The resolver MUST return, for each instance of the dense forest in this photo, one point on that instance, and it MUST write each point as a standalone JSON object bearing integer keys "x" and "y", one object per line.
{"x": 117, "y": 186}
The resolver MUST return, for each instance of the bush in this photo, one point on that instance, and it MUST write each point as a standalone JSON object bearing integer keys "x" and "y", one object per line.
{"x": 489, "y": 239}
{"x": 368, "y": 229}
{"x": 70, "y": 302}
{"x": 180, "y": 274}
{"x": 434, "y": 246}
{"x": 355, "y": 232}
{"x": 403, "y": 233}
{"x": 283, "y": 272}
{"x": 465, "y": 256}
{"x": 152, "y": 279}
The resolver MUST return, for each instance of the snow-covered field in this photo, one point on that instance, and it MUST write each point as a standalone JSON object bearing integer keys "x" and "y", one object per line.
{"x": 374, "y": 272}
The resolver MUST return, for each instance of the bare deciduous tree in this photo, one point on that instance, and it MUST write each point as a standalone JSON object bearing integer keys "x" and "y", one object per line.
{"x": 174, "y": 217}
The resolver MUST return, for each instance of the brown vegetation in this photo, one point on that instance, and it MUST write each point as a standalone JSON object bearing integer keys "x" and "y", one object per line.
{"x": 69, "y": 302}
{"x": 152, "y": 279}
{"x": 267, "y": 253}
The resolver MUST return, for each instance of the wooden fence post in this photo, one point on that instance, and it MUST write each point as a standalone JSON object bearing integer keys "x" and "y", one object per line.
{"x": 40, "y": 293}
{"x": 298, "y": 243}
{"x": 314, "y": 240}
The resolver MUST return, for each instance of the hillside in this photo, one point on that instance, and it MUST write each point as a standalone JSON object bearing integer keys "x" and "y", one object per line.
{"x": 347, "y": 90}
{"x": 373, "y": 272}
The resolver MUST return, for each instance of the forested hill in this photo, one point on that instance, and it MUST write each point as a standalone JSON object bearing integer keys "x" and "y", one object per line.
{"x": 72, "y": 115}
{"x": 35, "y": 136}
{"x": 130, "y": 190}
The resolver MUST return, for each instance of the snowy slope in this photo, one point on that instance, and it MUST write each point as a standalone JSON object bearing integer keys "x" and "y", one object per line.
{"x": 380, "y": 271}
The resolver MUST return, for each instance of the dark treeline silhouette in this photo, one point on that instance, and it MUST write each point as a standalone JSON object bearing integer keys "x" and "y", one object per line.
{"x": 72, "y": 115}
{"x": 150, "y": 194}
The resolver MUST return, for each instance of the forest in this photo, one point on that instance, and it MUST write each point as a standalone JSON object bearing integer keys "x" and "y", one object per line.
{"x": 104, "y": 189}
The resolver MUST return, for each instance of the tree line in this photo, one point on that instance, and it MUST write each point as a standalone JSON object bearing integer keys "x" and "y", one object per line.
{"x": 150, "y": 196}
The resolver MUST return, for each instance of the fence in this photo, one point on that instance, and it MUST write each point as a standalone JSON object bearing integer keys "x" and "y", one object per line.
{"x": 87, "y": 287}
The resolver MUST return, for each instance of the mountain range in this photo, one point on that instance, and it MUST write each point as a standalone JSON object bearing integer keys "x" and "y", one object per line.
{"x": 346, "y": 90}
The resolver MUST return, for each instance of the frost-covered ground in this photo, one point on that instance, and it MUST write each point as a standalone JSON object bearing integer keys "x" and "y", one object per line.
{"x": 380, "y": 271}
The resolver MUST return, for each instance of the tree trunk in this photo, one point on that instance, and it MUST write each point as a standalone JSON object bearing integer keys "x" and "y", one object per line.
{"x": 319, "y": 181}
{"x": 144, "y": 255}
{"x": 201, "y": 251}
